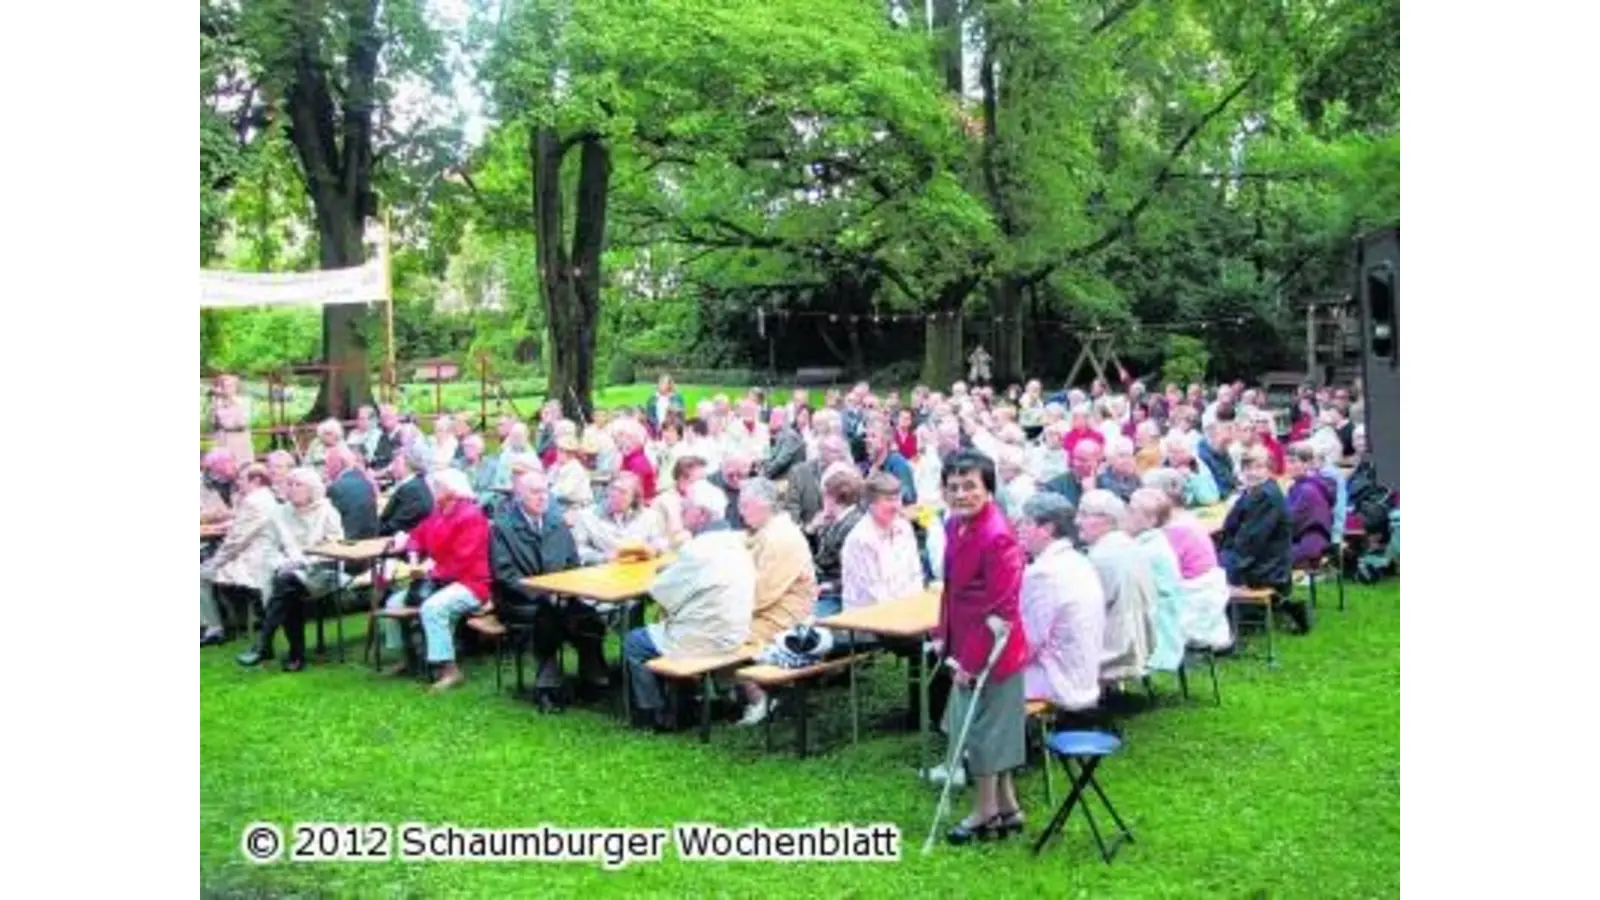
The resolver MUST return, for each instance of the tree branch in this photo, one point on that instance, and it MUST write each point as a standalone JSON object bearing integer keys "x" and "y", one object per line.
{"x": 1127, "y": 219}
{"x": 1113, "y": 15}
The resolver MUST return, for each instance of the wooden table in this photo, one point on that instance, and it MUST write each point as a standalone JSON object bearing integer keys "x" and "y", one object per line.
{"x": 905, "y": 617}
{"x": 614, "y": 584}
{"x": 343, "y": 552}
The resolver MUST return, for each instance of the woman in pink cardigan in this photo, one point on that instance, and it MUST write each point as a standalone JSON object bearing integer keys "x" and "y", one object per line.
{"x": 983, "y": 578}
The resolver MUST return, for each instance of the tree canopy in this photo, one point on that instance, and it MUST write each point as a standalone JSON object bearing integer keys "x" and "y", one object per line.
{"x": 769, "y": 183}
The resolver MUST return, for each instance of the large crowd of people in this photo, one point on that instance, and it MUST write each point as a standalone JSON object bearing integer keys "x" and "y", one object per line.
{"x": 1069, "y": 516}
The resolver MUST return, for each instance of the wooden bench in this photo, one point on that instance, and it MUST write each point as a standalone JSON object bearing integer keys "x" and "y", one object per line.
{"x": 818, "y": 375}
{"x": 1258, "y": 597}
{"x": 797, "y": 683}
{"x": 704, "y": 668}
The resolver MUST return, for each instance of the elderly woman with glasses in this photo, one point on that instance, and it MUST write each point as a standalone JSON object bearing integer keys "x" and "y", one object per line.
{"x": 455, "y": 539}
{"x": 308, "y": 519}
{"x": 983, "y": 568}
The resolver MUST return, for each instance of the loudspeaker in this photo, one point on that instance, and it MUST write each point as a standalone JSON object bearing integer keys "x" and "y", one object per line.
{"x": 1378, "y": 287}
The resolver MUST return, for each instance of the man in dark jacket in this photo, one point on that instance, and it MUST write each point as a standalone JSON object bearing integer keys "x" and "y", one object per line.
{"x": 788, "y": 446}
{"x": 411, "y": 501}
{"x": 388, "y": 439}
{"x": 735, "y": 469}
{"x": 1213, "y": 452}
{"x": 804, "y": 500}
{"x": 1257, "y": 536}
{"x": 529, "y": 539}
{"x": 351, "y": 494}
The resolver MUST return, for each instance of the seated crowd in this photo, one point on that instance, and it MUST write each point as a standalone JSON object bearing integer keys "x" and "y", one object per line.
{"x": 780, "y": 514}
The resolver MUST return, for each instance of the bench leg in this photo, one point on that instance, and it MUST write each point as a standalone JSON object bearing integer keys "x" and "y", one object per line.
{"x": 707, "y": 688}
{"x": 1338, "y": 575}
{"x": 1216, "y": 686}
{"x": 855, "y": 717}
{"x": 1183, "y": 676}
{"x": 1272, "y": 659}
{"x": 798, "y": 695}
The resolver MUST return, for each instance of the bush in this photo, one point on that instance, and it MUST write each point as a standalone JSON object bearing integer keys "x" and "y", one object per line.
{"x": 621, "y": 370}
{"x": 1187, "y": 360}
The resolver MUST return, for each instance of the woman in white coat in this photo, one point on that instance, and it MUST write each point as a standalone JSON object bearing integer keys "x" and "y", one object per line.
{"x": 308, "y": 519}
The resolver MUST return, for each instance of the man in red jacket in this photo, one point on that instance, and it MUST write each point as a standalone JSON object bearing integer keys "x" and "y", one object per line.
{"x": 983, "y": 565}
{"x": 455, "y": 538}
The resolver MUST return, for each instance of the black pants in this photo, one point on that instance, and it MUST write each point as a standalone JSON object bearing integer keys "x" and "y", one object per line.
{"x": 286, "y": 609}
{"x": 555, "y": 623}
{"x": 235, "y": 602}
{"x": 938, "y": 684}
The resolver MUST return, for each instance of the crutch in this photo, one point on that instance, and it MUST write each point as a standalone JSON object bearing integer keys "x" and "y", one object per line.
{"x": 1001, "y": 631}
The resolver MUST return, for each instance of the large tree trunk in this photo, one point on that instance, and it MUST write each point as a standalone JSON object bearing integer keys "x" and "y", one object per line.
{"x": 348, "y": 383}
{"x": 941, "y": 358}
{"x": 1005, "y": 297}
{"x": 330, "y": 126}
{"x": 569, "y": 282}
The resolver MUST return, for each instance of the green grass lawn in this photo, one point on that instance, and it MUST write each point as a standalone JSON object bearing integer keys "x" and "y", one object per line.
{"x": 1290, "y": 789}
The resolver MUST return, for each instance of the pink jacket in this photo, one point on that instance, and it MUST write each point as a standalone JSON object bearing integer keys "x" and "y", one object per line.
{"x": 982, "y": 577}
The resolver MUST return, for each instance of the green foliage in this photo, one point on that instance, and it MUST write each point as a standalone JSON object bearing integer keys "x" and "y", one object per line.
{"x": 1187, "y": 360}
{"x": 258, "y": 341}
{"x": 622, "y": 369}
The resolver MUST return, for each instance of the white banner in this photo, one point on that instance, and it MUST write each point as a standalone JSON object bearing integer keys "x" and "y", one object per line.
{"x": 361, "y": 284}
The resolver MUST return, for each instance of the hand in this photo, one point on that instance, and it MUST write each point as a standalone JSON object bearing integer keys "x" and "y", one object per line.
{"x": 961, "y": 679}
{"x": 398, "y": 545}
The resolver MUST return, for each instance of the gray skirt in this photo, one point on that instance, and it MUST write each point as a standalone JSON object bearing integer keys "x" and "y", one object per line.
{"x": 996, "y": 742}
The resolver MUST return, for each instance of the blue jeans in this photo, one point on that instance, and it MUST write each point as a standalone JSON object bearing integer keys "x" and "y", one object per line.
{"x": 439, "y": 614}
{"x": 638, "y": 649}
{"x": 829, "y": 605}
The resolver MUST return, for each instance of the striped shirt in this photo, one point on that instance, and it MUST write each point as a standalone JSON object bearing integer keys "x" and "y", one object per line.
{"x": 879, "y": 565}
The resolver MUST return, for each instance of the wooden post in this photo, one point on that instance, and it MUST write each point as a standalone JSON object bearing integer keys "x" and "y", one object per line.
{"x": 483, "y": 391}
{"x": 1311, "y": 343}
{"x": 390, "y": 383}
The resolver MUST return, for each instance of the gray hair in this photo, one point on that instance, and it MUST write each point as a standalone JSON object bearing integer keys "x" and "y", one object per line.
{"x": 1304, "y": 452}
{"x": 1050, "y": 508}
{"x": 330, "y": 426}
{"x": 1105, "y": 504}
{"x": 1166, "y": 480}
{"x": 1119, "y": 446}
{"x": 419, "y": 457}
{"x": 709, "y": 497}
{"x": 1174, "y": 441}
{"x": 454, "y": 482}
{"x": 759, "y": 488}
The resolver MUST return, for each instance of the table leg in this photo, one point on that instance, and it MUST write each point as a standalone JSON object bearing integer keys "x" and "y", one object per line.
{"x": 622, "y": 669}
{"x": 855, "y": 715}
{"x": 923, "y": 714}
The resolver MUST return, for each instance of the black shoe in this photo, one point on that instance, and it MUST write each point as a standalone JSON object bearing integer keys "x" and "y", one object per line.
{"x": 1009, "y": 823}
{"x": 294, "y": 665}
{"x": 212, "y": 639}
{"x": 547, "y": 701}
{"x": 966, "y": 834}
{"x": 252, "y": 657}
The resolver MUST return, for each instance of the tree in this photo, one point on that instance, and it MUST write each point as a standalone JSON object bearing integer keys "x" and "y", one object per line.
{"x": 328, "y": 71}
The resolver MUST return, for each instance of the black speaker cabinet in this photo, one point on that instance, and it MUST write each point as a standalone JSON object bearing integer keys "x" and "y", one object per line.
{"x": 1378, "y": 287}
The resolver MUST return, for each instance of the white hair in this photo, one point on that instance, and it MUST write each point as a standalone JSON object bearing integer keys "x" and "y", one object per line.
{"x": 1105, "y": 504}
{"x": 707, "y": 496}
{"x": 760, "y": 489}
{"x": 1327, "y": 445}
{"x": 1168, "y": 481}
{"x": 1148, "y": 429}
{"x": 1081, "y": 409}
{"x": 419, "y": 457}
{"x": 1009, "y": 456}
{"x": 309, "y": 477}
{"x": 452, "y": 482}
{"x": 1119, "y": 446}
{"x": 1174, "y": 441}
{"x": 331, "y": 426}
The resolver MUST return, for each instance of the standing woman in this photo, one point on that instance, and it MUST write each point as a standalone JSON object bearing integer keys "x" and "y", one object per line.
{"x": 230, "y": 419}
{"x": 983, "y": 565}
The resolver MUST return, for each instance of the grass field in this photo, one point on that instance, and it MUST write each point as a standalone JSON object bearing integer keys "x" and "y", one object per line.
{"x": 1290, "y": 789}
{"x": 420, "y": 401}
